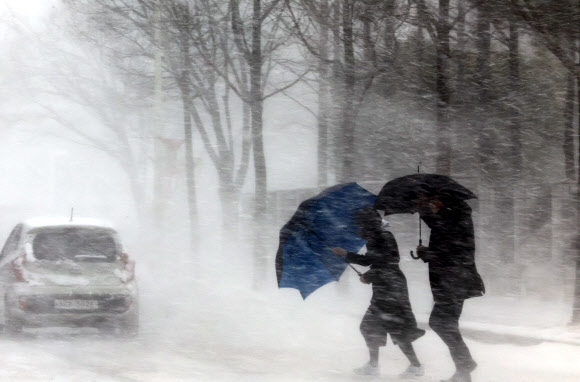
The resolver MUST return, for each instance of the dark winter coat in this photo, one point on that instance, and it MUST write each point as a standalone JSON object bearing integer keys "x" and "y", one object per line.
{"x": 390, "y": 299}
{"x": 451, "y": 253}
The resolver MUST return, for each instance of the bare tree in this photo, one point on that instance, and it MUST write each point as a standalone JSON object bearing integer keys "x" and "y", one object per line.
{"x": 363, "y": 48}
{"x": 439, "y": 25}
{"x": 556, "y": 25}
{"x": 73, "y": 78}
{"x": 257, "y": 32}
{"x": 174, "y": 28}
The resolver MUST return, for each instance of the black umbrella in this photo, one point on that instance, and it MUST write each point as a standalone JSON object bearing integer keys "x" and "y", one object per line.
{"x": 400, "y": 195}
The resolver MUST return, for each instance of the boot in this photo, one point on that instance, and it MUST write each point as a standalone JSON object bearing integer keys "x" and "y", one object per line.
{"x": 459, "y": 376}
{"x": 368, "y": 369}
{"x": 412, "y": 372}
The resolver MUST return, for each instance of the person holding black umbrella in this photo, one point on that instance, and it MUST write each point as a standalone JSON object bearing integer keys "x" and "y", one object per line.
{"x": 441, "y": 204}
{"x": 390, "y": 309}
{"x": 453, "y": 275}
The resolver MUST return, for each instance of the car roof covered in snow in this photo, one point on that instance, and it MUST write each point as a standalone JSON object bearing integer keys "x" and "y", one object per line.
{"x": 40, "y": 222}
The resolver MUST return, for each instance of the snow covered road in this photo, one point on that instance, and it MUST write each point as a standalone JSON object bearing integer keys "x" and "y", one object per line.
{"x": 255, "y": 337}
{"x": 86, "y": 357}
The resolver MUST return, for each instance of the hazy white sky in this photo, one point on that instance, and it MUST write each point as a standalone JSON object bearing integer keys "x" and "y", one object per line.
{"x": 30, "y": 9}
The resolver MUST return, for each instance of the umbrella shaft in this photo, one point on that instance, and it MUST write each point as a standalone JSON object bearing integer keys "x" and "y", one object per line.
{"x": 354, "y": 269}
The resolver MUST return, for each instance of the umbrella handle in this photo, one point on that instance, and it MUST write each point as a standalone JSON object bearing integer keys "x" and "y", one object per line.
{"x": 420, "y": 244}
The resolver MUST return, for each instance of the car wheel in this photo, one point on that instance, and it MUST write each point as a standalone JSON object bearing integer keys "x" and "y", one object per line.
{"x": 106, "y": 329}
{"x": 13, "y": 325}
{"x": 130, "y": 328}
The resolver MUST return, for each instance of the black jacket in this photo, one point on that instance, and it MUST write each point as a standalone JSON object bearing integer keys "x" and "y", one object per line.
{"x": 390, "y": 293}
{"x": 451, "y": 253}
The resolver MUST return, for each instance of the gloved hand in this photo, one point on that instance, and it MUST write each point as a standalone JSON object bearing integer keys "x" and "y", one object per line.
{"x": 423, "y": 253}
{"x": 339, "y": 251}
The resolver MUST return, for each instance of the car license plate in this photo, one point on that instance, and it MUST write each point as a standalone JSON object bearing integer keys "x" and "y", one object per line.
{"x": 76, "y": 304}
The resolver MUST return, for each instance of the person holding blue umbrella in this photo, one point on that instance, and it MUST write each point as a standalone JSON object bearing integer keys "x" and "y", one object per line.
{"x": 390, "y": 309}
{"x": 304, "y": 260}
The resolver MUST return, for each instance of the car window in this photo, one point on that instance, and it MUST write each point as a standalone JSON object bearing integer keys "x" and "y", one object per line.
{"x": 12, "y": 242}
{"x": 74, "y": 243}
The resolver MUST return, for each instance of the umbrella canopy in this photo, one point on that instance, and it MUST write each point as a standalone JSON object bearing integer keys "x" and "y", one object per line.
{"x": 400, "y": 194}
{"x": 304, "y": 260}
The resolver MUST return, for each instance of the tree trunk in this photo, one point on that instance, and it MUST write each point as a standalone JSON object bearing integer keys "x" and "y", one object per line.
{"x": 256, "y": 106}
{"x": 482, "y": 82}
{"x": 388, "y": 54}
{"x": 515, "y": 115}
{"x": 323, "y": 101}
{"x": 516, "y": 140}
{"x": 185, "y": 88}
{"x": 568, "y": 144}
{"x": 246, "y": 142}
{"x": 190, "y": 178}
{"x": 420, "y": 62}
{"x": 230, "y": 191}
{"x": 242, "y": 173}
{"x": 570, "y": 173}
{"x": 483, "y": 133}
{"x": 443, "y": 161}
{"x": 337, "y": 92}
{"x": 159, "y": 197}
{"x": 483, "y": 45}
{"x": 460, "y": 55}
{"x": 576, "y": 306}
{"x": 226, "y": 166}
{"x": 347, "y": 123}
{"x": 228, "y": 197}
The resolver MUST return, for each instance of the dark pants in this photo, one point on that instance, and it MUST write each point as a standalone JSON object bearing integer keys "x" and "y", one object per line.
{"x": 444, "y": 321}
{"x": 377, "y": 323}
{"x": 374, "y": 328}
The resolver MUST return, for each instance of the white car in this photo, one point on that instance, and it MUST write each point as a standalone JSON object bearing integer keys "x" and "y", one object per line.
{"x": 56, "y": 272}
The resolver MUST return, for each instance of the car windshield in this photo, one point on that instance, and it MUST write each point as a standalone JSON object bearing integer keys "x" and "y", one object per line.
{"x": 74, "y": 243}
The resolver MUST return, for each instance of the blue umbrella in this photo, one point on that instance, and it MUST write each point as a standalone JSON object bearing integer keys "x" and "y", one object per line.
{"x": 304, "y": 260}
